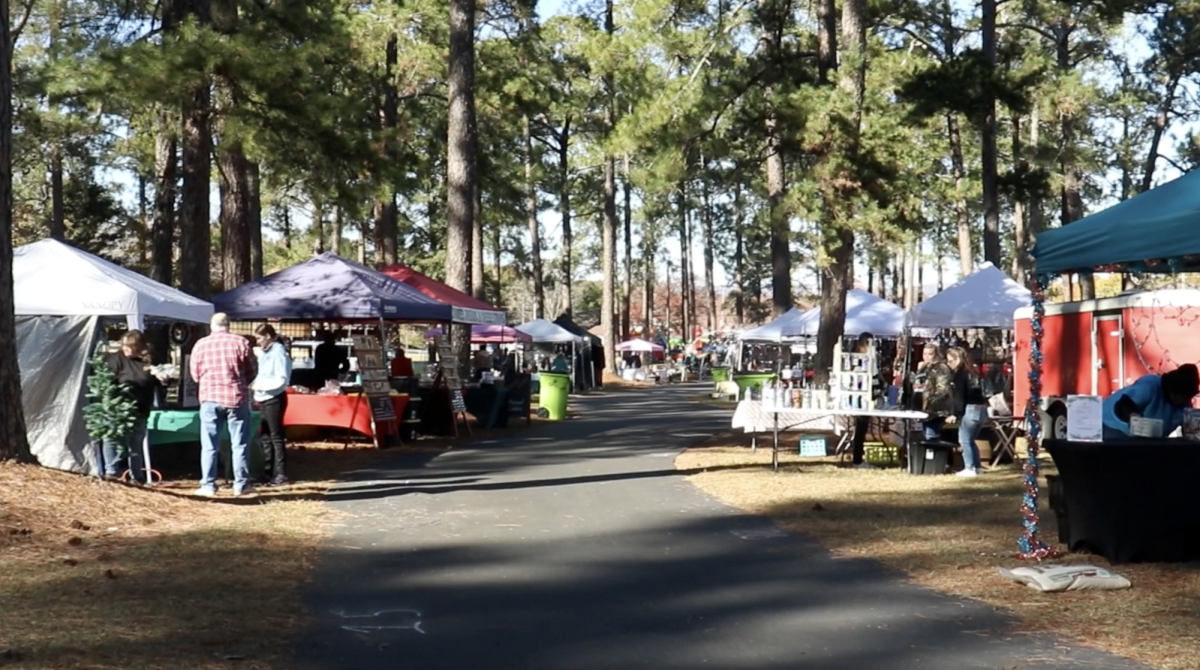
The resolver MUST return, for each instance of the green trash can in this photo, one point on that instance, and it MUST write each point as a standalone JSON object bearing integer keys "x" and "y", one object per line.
{"x": 552, "y": 395}
{"x": 751, "y": 380}
{"x": 720, "y": 374}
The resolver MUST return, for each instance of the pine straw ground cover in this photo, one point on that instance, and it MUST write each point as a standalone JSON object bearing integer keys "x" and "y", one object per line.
{"x": 101, "y": 575}
{"x": 951, "y": 533}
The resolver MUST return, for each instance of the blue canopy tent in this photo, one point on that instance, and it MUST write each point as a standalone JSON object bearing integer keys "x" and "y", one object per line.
{"x": 330, "y": 288}
{"x": 1155, "y": 231}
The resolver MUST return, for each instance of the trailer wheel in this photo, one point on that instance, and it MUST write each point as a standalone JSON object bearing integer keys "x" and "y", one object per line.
{"x": 1058, "y": 422}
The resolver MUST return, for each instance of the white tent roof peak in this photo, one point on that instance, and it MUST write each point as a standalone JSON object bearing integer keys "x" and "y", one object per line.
{"x": 865, "y": 313}
{"x": 542, "y": 330}
{"x": 52, "y": 278}
{"x": 772, "y": 331}
{"x": 986, "y": 298}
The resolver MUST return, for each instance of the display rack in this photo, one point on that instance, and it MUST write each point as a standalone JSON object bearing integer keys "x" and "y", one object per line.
{"x": 851, "y": 384}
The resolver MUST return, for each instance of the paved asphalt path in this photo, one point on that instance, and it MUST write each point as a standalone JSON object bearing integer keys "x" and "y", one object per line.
{"x": 577, "y": 546}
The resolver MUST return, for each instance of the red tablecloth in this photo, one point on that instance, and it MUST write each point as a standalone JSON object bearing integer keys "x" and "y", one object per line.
{"x": 336, "y": 411}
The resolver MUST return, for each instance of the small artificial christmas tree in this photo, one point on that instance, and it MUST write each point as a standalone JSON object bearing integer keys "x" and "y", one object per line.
{"x": 112, "y": 413}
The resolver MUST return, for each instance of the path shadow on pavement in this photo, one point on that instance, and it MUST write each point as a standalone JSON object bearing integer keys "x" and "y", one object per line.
{"x": 586, "y": 550}
{"x": 726, "y": 592}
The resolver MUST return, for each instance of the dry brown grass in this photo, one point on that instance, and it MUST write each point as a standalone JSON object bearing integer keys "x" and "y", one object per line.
{"x": 103, "y": 575}
{"x": 951, "y": 534}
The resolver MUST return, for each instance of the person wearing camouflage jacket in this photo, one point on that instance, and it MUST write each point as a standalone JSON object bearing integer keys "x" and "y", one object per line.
{"x": 938, "y": 396}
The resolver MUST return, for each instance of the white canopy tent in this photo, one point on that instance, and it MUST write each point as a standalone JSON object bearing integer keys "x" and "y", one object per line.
{"x": 772, "y": 331}
{"x": 985, "y": 298}
{"x": 61, "y": 295}
{"x": 639, "y": 345}
{"x": 52, "y": 278}
{"x": 865, "y": 313}
{"x": 542, "y": 330}
{"x": 547, "y": 332}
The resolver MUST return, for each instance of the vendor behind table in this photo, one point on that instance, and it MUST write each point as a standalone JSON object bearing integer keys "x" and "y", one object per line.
{"x": 1163, "y": 397}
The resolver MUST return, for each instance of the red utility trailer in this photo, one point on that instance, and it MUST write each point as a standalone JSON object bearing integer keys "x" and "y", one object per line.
{"x": 1094, "y": 347}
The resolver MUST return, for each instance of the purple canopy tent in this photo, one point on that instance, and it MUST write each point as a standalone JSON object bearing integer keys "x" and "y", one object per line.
{"x": 488, "y": 334}
{"x": 330, "y": 288}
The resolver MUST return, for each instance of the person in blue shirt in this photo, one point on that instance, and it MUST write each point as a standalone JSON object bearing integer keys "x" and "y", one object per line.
{"x": 1162, "y": 397}
{"x": 270, "y": 392}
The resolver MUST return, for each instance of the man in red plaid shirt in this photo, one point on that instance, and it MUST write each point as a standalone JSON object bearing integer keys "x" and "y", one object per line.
{"x": 223, "y": 366}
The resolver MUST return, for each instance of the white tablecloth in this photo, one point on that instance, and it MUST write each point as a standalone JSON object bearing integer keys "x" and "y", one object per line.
{"x": 752, "y": 418}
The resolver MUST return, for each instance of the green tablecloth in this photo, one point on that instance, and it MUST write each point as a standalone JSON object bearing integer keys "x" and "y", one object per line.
{"x": 175, "y": 426}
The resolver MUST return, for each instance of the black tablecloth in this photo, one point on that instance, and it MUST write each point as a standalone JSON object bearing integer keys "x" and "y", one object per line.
{"x": 1131, "y": 500}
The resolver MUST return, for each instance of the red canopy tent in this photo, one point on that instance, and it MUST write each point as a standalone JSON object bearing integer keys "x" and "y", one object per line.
{"x": 466, "y": 308}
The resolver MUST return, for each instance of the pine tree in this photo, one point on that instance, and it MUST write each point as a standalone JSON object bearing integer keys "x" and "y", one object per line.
{"x": 112, "y": 412}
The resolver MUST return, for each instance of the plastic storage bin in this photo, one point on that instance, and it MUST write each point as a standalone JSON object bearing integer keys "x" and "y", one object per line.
{"x": 930, "y": 458}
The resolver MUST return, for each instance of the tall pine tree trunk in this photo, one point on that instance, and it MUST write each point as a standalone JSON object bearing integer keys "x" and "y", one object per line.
{"x": 195, "y": 236}
{"x": 627, "y": 292}
{"x": 497, "y": 254}
{"x": 685, "y": 311}
{"x": 233, "y": 167}
{"x": 564, "y": 211}
{"x": 58, "y": 226}
{"x": 254, "y": 176}
{"x": 478, "y": 283}
{"x": 318, "y": 226}
{"x": 962, "y": 215}
{"x": 781, "y": 234}
{"x": 1020, "y": 261}
{"x": 739, "y": 257}
{"x": 385, "y": 210}
{"x": 461, "y": 171}
{"x": 839, "y": 238}
{"x": 335, "y": 235}
{"x": 709, "y": 253}
{"x": 531, "y": 219}
{"x": 166, "y": 185}
{"x": 1072, "y": 178}
{"x": 13, "y": 441}
{"x": 991, "y": 179}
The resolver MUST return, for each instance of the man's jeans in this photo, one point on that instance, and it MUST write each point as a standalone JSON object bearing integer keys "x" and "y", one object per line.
{"x": 126, "y": 452}
{"x": 212, "y": 418}
{"x": 968, "y": 430}
{"x": 933, "y": 427}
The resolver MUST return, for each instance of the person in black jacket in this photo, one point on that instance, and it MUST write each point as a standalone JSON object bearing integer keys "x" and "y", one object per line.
{"x": 970, "y": 407}
{"x": 131, "y": 365}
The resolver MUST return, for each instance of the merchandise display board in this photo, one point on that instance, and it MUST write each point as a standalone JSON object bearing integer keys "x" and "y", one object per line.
{"x": 377, "y": 389}
{"x": 853, "y": 376}
{"x": 448, "y": 375}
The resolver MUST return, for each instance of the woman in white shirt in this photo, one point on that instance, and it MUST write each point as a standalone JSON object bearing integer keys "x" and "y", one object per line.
{"x": 270, "y": 392}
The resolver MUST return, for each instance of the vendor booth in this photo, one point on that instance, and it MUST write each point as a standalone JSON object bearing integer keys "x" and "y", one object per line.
{"x": 638, "y": 346}
{"x": 62, "y": 297}
{"x": 984, "y": 299}
{"x": 1128, "y": 499}
{"x": 328, "y": 288}
{"x": 464, "y": 308}
{"x": 589, "y": 358}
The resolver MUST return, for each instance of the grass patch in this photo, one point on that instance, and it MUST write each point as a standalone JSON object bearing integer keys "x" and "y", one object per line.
{"x": 102, "y": 575}
{"x": 951, "y": 533}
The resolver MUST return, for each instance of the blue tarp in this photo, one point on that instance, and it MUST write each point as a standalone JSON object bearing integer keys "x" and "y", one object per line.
{"x": 1160, "y": 224}
{"x": 328, "y": 287}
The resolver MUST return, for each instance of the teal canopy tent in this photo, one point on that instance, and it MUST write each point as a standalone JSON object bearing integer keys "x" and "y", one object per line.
{"x": 1155, "y": 231}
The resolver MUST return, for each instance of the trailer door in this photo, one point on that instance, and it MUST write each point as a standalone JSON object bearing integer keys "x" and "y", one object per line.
{"x": 1108, "y": 361}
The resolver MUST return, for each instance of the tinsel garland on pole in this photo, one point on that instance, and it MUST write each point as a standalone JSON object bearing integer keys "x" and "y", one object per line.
{"x": 1030, "y": 542}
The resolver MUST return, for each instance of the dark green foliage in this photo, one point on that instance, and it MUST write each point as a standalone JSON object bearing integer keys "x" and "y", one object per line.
{"x": 111, "y": 412}
{"x": 962, "y": 84}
